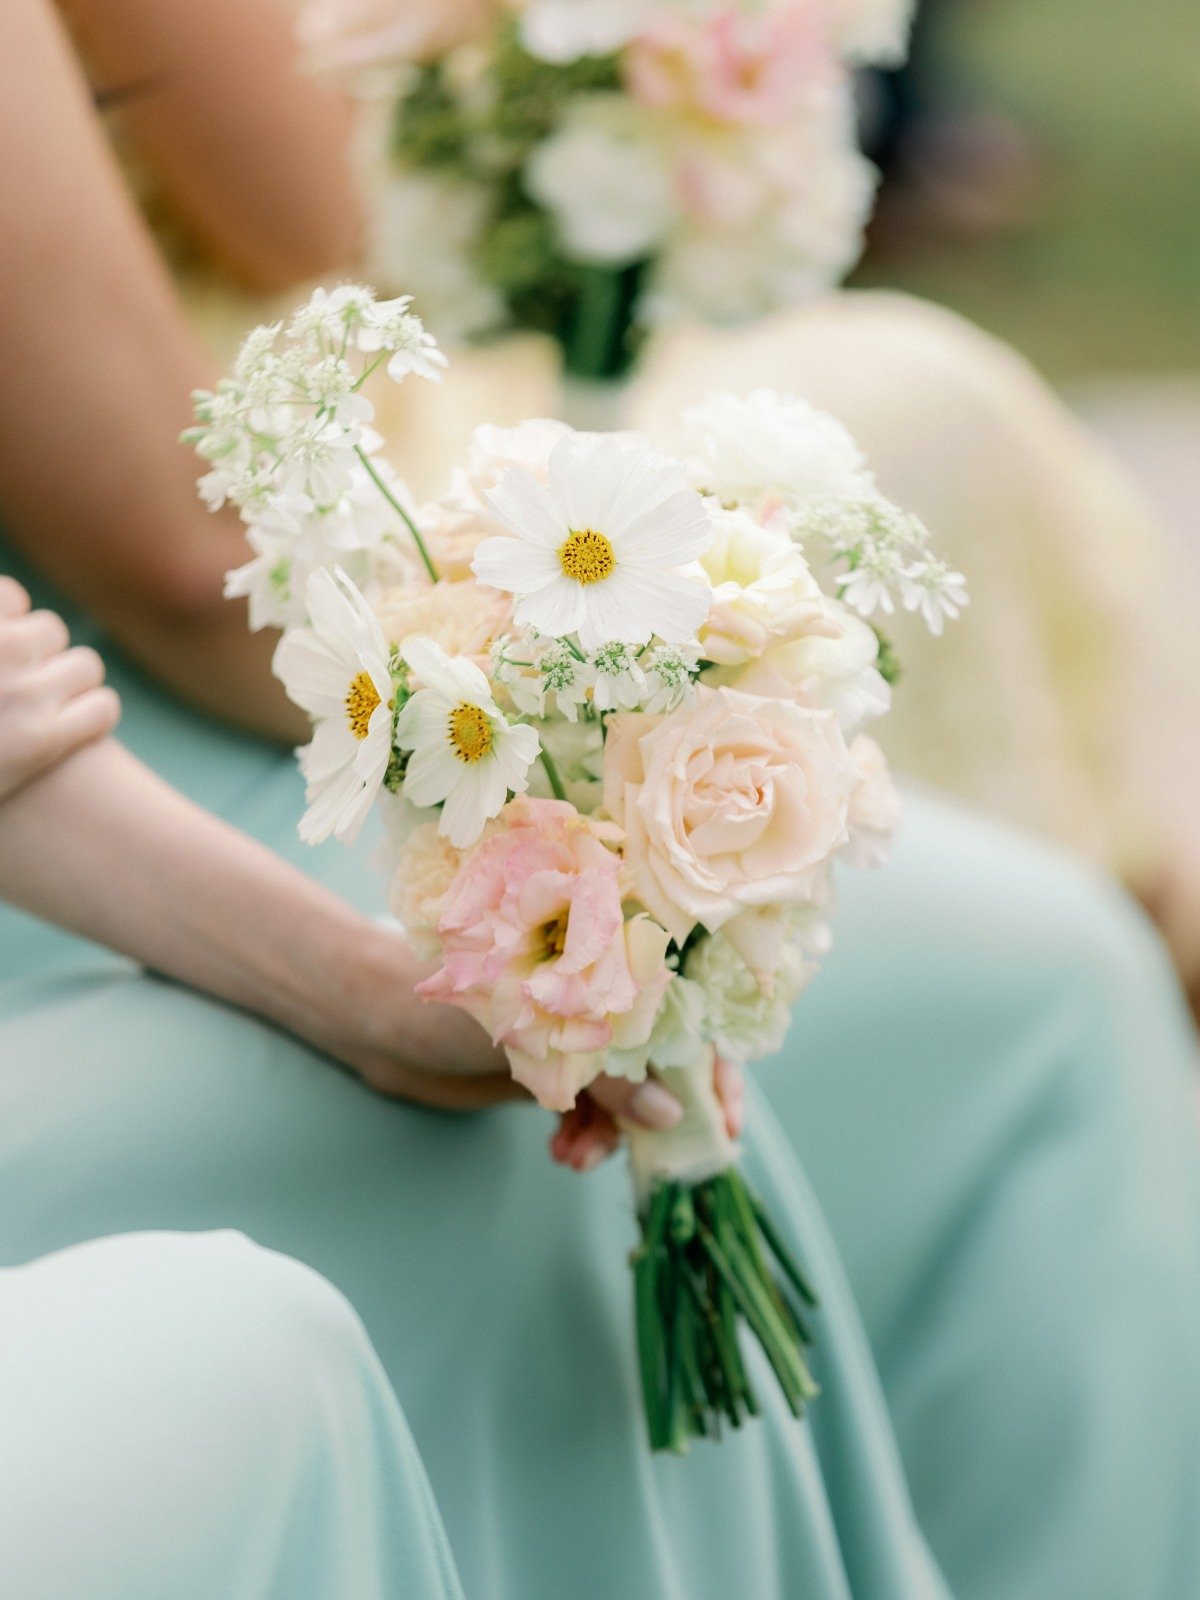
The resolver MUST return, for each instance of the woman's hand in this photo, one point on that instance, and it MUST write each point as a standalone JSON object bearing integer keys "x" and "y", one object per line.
{"x": 415, "y": 1049}
{"x": 591, "y": 1132}
{"x": 52, "y": 699}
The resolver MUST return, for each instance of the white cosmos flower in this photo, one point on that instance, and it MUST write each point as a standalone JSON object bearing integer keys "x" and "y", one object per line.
{"x": 337, "y": 670}
{"x": 597, "y": 550}
{"x": 465, "y": 755}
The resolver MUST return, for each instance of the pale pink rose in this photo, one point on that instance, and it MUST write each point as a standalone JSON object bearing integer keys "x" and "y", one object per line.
{"x": 536, "y": 946}
{"x": 729, "y": 67}
{"x": 731, "y": 803}
{"x": 463, "y": 617}
{"x": 348, "y": 35}
{"x": 875, "y": 808}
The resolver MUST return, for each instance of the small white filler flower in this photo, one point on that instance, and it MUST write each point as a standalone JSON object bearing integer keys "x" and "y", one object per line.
{"x": 337, "y": 670}
{"x": 464, "y": 751}
{"x": 597, "y": 550}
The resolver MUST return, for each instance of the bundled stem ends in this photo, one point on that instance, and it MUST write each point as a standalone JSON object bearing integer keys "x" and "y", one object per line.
{"x": 704, "y": 1268}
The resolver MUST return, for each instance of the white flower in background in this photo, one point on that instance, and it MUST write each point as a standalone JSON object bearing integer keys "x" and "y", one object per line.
{"x": 337, "y": 669}
{"x": 767, "y": 217}
{"x": 872, "y": 32}
{"x": 465, "y": 754}
{"x": 763, "y": 591}
{"x": 743, "y": 1020}
{"x": 769, "y": 446}
{"x": 563, "y": 30}
{"x": 620, "y": 683}
{"x": 605, "y": 177}
{"x": 671, "y": 671}
{"x": 874, "y": 807}
{"x": 597, "y": 550}
{"x": 422, "y": 230}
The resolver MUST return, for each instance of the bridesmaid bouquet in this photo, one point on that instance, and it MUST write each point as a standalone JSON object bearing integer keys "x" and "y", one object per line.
{"x": 608, "y": 703}
{"x": 589, "y": 168}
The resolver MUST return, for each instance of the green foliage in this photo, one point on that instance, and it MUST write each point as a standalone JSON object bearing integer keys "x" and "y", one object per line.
{"x": 887, "y": 662}
{"x": 488, "y": 137}
{"x": 431, "y": 129}
{"x": 529, "y": 95}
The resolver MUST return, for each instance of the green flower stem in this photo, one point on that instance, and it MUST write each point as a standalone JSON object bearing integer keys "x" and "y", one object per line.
{"x": 552, "y": 773}
{"x": 702, "y": 1271}
{"x": 399, "y": 510}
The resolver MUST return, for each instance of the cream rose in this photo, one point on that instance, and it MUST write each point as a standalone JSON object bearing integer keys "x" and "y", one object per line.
{"x": 735, "y": 802}
{"x": 830, "y": 669}
{"x": 762, "y": 589}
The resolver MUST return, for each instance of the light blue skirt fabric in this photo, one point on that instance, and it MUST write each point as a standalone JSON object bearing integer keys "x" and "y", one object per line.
{"x": 493, "y": 1285}
{"x": 189, "y": 1416}
{"x": 990, "y": 1084}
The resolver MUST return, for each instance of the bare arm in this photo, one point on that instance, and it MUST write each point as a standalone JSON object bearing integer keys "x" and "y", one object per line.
{"x": 91, "y": 840}
{"x": 98, "y": 370}
{"x": 253, "y": 151}
{"x": 102, "y": 847}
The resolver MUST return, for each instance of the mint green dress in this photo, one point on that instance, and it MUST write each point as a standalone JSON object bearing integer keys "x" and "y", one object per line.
{"x": 493, "y": 1285}
{"x": 187, "y": 1415}
{"x": 991, "y": 1086}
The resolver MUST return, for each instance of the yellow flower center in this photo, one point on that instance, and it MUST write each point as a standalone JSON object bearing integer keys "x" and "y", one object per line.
{"x": 470, "y": 732}
{"x": 586, "y": 556}
{"x": 362, "y": 697}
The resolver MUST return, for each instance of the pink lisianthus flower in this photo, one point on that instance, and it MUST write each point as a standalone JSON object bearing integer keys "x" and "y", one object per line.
{"x": 729, "y": 68}
{"x": 536, "y": 946}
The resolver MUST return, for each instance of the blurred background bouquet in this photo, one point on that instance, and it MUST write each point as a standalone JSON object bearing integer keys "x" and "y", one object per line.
{"x": 590, "y": 169}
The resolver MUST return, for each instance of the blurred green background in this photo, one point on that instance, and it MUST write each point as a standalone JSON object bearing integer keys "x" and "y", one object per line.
{"x": 1103, "y": 274}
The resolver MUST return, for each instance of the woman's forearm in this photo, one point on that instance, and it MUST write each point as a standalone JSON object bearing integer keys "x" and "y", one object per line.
{"x": 98, "y": 370}
{"x": 104, "y": 848}
{"x": 253, "y": 151}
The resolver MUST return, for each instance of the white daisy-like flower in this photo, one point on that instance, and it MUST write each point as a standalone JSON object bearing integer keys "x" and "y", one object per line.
{"x": 597, "y": 550}
{"x": 466, "y": 756}
{"x": 337, "y": 669}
